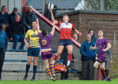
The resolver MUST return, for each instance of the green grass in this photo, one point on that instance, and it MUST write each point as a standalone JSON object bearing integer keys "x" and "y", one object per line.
{"x": 114, "y": 81}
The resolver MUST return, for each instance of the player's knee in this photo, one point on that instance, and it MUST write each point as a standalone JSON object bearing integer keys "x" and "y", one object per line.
{"x": 35, "y": 62}
{"x": 28, "y": 62}
{"x": 59, "y": 53}
{"x": 95, "y": 66}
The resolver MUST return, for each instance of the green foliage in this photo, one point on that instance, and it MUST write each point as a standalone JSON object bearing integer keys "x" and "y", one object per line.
{"x": 111, "y": 5}
{"x": 93, "y": 4}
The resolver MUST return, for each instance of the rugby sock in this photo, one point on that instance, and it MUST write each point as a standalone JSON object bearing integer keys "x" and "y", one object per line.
{"x": 69, "y": 59}
{"x": 27, "y": 69}
{"x": 34, "y": 71}
{"x": 49, "y": 72}
{"x": 55, "y": 58}
{"x": 106, "y": 73}
{"x": 52, "y": 69}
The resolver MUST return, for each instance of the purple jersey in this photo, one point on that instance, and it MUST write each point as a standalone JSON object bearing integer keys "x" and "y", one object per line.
{"x": 101, "y": 44}
{"x": 45, "y": 41}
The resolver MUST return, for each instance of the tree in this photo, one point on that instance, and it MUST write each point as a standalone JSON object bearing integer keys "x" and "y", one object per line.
{"x": 107, "y": 5}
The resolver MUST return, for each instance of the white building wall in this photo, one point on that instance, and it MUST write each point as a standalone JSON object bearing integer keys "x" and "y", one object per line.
{"x": 10, "y": 4}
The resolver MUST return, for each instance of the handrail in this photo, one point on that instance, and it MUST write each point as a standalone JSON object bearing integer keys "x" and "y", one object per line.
{"x": 51, "y": 24}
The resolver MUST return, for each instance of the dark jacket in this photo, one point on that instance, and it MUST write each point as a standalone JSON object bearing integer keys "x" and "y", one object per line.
{"x": 86, "y": 52}
{"x": 17, "y": 28}
{"x": 28, "y": 19}
{"x": 4, "y": 18}
{"x": 93, "y": 38}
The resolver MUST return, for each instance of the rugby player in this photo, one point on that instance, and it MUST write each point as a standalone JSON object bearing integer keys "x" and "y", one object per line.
{"x": 102, "y": 45}
{"x": 65, "y": 36}
{"x": 46, "y": 52}
{"x": 33, "y": 49}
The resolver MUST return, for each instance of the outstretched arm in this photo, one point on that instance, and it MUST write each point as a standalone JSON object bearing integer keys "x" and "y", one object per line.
{"x": 52, "y": 17}
{"x": 53, "y": 30}
{"x": 38, "y": 26}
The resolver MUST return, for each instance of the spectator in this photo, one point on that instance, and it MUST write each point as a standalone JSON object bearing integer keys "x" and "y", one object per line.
{"x": 87, "y": 58}
{"x": 4, "y": 18}
{"x": 12, "y": 15}
{"x": 3, "y": 38}
{"x": 93, "y": 38}
{"x": 3, "y": 27}
{"x": 17, "y": 32}
{"x": 28, "y": 18}
{"x": 75, "y": 36}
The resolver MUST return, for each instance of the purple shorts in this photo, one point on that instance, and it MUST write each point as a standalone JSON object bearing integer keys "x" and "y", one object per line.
{"x": 46, "y": 55}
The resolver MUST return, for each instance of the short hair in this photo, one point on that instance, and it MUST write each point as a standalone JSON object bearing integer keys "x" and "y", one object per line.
{"x": 90, "y": 30}
{"x": 44, "y": 32}
{"x": 17, "y": 15}
{"x": 65, "y": 15}
{"x": 2, "y": 7}
{"x": 15, "y": 9}
{"x": 88, "y": 34}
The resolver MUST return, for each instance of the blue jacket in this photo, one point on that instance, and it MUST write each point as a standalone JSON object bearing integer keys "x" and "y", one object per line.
{"x": 3, "y": 39}
{"x": 87, "y": 53}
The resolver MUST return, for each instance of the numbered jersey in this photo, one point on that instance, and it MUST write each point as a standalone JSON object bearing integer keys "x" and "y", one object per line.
{"x": 45, "y": 41}
{"x": 33, "y": 38}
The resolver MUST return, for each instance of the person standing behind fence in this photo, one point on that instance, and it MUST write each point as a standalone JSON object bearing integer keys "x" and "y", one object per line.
{"x": 33, "y": 49}
{"x": 3, "y": 39}
{"x": 29, "y": 17}
{"x": 87, "y": 58}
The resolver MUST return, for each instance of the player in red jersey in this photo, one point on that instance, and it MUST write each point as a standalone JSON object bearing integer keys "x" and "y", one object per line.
{"x": 65, "y": 36}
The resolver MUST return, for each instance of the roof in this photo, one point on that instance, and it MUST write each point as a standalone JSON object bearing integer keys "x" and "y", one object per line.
{"x": 89, "y": 11}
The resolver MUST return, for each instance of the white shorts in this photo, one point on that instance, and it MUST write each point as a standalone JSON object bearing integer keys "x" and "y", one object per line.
{"x": 97, "y": 64}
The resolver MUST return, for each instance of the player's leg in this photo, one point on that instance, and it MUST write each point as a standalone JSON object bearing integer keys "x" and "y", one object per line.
{"x": 69, "y": 49}
{"x": 96, "y": 65}
{"x": 52, "y": 68}
{"x": 34, "y": 67}
{"x": 60, "y": 49}
{"x": 46, "y": 64}
{"x": 105, "y": 71}
{"x": 35, "y": 58}
{"x": 27, "y": 67}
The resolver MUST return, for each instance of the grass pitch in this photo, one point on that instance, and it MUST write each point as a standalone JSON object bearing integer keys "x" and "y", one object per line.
{"x": 114, "y": 81}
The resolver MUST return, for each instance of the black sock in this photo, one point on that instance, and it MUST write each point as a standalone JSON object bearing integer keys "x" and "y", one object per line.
{"x": 106, "y": 72}
{"x": 27, "y": 69}
{"x": 34, "y": 70}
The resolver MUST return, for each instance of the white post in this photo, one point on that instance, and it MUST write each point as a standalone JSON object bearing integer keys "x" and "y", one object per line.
{"x": 44, "y": 3}
{"x": 102, "y": 5}
{"x": 114, "y": 42}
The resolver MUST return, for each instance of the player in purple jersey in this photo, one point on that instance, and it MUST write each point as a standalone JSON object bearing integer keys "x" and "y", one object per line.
{"x": 46, "y": 52}
{"x": 102, "y": 45}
